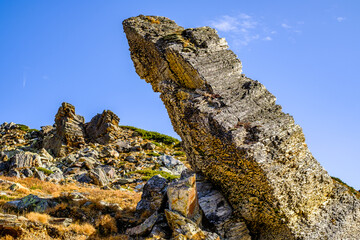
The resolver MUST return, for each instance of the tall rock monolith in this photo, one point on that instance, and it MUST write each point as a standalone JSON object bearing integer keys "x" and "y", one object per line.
{"x": 238, "y": 137}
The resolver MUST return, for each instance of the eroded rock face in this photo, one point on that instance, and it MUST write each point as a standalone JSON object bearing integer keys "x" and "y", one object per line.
{"x": 235, "y": 134}
{"x": 103, "y": 127}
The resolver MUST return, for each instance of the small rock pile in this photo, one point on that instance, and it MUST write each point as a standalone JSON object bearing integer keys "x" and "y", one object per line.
{"x": 188, "y": 208}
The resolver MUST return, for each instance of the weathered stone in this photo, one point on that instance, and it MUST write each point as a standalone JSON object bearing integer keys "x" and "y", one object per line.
{"x": 61, "y": 221}
{"x": 39, "y": 174}
{"x": 31, "y": 203}
{"x": 99, "y": 177}
{"x": 153, "y": 196}
{"x": 219, "y": 213}
{"x": 234, "y": 133}
{"x": 175, "y": 166}
{"x": 25, "y": 160}
{"x": 143, "y": 228}
{"x": 122, "y": 146}
{"x": 182, "y": 197}
{"x": 11, "y": 225}
{"x": 103, "y": 128}
{"x": 148, "y": 146}
{"x": 184, "y": 228}
{"x": 14, "y": 173}
{"x": 55, "y": 177}
{"x": 27, "y": 172}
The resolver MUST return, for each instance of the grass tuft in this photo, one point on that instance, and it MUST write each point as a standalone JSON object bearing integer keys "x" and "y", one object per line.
{"x": 38, "y": 217}
{"x": 44, "y": 170}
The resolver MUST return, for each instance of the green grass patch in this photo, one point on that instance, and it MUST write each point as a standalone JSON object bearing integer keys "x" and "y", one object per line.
{"x": 153, "y": 154}
{"x": 25, "y": 128}
{"x": 155, "y": 136}
{"x": 35, "y": 187}
{"x": 179, "y": 153}
{"x": 149, "y": 173}
{"x": 44, "y": 170}
{"x": 6, "y": 198}
{"x": 351, "y": 189}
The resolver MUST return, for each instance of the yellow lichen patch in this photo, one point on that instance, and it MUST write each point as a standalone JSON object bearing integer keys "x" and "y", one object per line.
{"x": 184, "y": 74}
{"x": 152, "y": 20}
{"x": 181, "y": 95}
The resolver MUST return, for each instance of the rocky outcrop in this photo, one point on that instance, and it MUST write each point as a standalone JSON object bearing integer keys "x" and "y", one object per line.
{"x": 238, "y": 137}
{"x": 103, "y": 128}
{"x": 69, "y": 131}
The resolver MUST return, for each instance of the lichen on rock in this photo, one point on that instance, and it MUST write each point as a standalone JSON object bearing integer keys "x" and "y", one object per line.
{"x": 237, "y": 136}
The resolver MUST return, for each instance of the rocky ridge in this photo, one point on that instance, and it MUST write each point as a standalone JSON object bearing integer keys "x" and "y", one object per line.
{"x": 235, "y": 134}
{"x": 99, "y": 180}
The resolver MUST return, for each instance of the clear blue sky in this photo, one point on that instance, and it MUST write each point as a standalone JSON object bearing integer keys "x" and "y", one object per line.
{"x": 305, "y": 52}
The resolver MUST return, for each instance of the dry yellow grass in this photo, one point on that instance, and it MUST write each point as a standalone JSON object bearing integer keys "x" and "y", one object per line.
{"x": 86, "y": 228}
{"x": 7, "y": 237}
{"x": 38, "y": 217}
{"x": 125, "y": 199}
{"x": 106, "y": 225}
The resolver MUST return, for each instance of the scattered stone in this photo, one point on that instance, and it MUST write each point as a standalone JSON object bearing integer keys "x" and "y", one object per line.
{"x": 149, "y": 146}
{"x": 25, "y": 160}
{"x": 31, "y": 203}
{"x": 175, "y": 166}
{"x": 184, "y": 228}
{"x": 143, "y": 228}
{"x": 98, "y": 176}
{"x": 131, "y": 159}
{"x": 183, "y": 199}
{"x": 153, "y": 196}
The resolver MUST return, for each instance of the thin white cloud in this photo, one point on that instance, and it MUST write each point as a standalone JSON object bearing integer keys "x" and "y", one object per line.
{"x": 286, "y": 26}
{"x": 226, "y": 24}
{"x": 242, "y": 28}
{"x": 24, "y": 80}
{"x": 340, "y": 19}
{"x": 268, "y": 38}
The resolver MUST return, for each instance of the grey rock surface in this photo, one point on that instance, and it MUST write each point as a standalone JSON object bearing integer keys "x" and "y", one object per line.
{"x": 153, "y": 196}
{"x": 238, "y": 137}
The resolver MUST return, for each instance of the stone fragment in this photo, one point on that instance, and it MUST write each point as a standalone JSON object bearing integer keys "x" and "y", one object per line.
{"x": 25, "y": 160}
{"x": 99, "y": 177}
{"x": 184, "y": 228}
{"x": 143, "y": 228}
{"x": 182, "y": 197}
{"x": 175, "y": 166}
{"x": 153, "y": 196}
{"x": 237, "y": 136}
{"x": 149, "y": 146}
{"x": 103, "y": 128}
{"x": 31, "y": 203}
{"x": 39, "y": 174}
{"x": 122, "y": 146}
{"x": 61, "y": 221}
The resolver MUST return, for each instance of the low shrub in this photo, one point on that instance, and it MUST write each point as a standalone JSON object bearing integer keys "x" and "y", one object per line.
{"x": 155, "y": 136}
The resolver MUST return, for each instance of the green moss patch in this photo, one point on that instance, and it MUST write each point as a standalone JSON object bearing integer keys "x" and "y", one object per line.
{"x": 149, "y": 173}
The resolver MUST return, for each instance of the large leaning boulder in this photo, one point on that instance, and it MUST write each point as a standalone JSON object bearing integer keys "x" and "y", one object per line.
{"x": 238, "y": 137}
